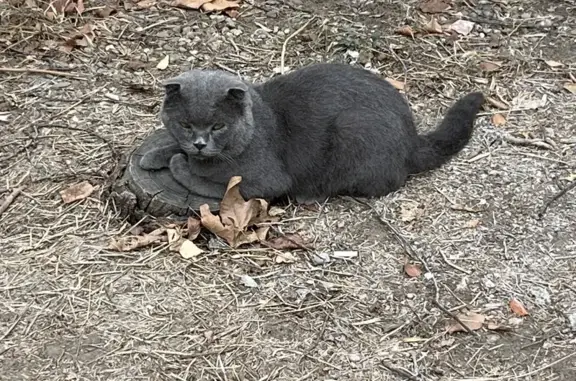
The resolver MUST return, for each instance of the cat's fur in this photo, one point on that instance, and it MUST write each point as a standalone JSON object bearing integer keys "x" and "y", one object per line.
{"x": 321, "y": 131}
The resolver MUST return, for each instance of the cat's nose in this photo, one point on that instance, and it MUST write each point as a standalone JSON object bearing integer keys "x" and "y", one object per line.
{"x": 199, "y": 145}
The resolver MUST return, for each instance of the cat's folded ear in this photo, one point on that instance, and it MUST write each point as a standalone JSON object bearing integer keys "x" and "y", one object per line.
{"x": 236, "y": 94}
{"x": 172, "y": 86}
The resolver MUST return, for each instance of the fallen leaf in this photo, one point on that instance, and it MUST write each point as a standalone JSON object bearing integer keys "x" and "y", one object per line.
{"x": 571, "y": 87}
{"x": 489, "y": 66}
{"x": 518, "y": 308}
{"x": 554, "y": 64}
{"x": 285, "y": 257}
{"x": 410, "y": 211}
{"x": 462, "y": 27}
{"x": 498, "y": 120}
{"x": 163, "y": 64}
{"x": 434, "y": 6}
{"x": 130, "y": 243}
{"x": 472, "y": 320}
{"x": 220, "y": 5}
{"x": 189, "y": 250}
{"x": 433, "y": 26}
{"x": 145, "y": 4}
{"x": 248, "y": 281}
{"x": 237, "y": 216}
{"x": 473, "y": 223}
{"x": 497, "y": 103}
{"x": 288, "y": 241}
{"x": 81, "y": 38}
{"x": 398, "y": 85}
{"x": 498, "y": 327}
{"x": 191, "y": 4}
{"x": 413, "y": 271}
{"x": 406, "y": 31}
{"x": 76, "y": 192}
{"x": 193, "y": 226}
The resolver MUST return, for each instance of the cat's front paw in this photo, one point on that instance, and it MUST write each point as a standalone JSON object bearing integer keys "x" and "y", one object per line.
{"x": 153, "y": 161}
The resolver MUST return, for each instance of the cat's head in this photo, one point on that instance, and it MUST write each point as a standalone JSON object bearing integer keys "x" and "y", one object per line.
{"x": 209, "y": 113}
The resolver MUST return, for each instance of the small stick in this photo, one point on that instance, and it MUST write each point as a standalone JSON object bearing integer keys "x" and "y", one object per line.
{"x": 454, "y": 266}
{"x": 412, "y": 253}
{"x": 10, "y": 199}
{"x": 39, "y": 71}
{"x": 283, "y": 53}
{"x": 561, "y": 193}
{"x": 526, "y": 142}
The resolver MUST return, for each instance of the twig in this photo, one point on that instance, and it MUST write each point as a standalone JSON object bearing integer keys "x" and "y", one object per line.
{"x": 561, "y": 193}
{"x": 11, "y": 328}
{"x": 39, "y": 71}
{"x": 453, "y": 265}
{"x": 400, "y": 372}
{"x": 285, "y": 44}
{"x": 10, "y": 199}
{"x": 526, "y": 142}
{"x": 412, "y": 253}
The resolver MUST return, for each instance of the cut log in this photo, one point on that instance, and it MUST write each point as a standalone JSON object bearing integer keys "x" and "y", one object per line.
{"x": 155, "y": 193}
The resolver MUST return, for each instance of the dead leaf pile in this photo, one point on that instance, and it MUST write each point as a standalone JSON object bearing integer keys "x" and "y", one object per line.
{"x": 226, "y": 6}
{"x": 240, "y": 221}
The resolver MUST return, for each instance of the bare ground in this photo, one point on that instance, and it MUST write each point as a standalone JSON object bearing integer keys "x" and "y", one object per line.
{"x": 73, "y": 310}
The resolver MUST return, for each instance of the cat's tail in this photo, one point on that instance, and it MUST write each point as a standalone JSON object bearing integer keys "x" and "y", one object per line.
{"x": 437, "y": 147}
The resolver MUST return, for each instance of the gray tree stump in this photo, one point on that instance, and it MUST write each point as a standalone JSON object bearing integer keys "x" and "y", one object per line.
{"x": 156, "y": 193}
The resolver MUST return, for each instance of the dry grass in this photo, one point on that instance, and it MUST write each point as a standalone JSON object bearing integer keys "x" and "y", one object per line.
{"x": 71, "y": 309}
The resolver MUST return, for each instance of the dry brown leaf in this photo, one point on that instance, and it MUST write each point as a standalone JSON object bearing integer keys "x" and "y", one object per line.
{"x": 473, "y": 223}
{"x": 237, "y": 216}
{"x": 220, "y": 5}
{"x": 472, "y": 320}
{"x": 145, "y": 4}
{"x": 285, "y": 257}
{"x": 129, "y": 243}
{"x": 571, "y": 87}
{"x": 518, "y": 308}
{"x": 406, "y": 31}
{"x": 498, "y": 327}
{"x": 498, "y": 120}
{"x": 433, "y": 26}
{"x": 193, "y": 226}
{"x": 288, "y": 241}
{"x": 398, "y": 85}
{"x": 434, "y": 6}
{"x": 76, "y": 192}
{"x": 462, "y": 27}
{"x": 189, "y": 250}
{"x": 412, "y": 270}
{"x": 489, "y": 66}
{"x": 191, "y": 4}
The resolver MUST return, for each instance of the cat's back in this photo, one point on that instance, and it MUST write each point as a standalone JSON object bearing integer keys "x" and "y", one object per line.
{"x": 331, "y": 86}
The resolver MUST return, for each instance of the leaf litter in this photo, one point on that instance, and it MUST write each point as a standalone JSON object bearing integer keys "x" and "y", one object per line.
{"x": 76, "y": 192}
{"x": 472, "y": 320}
{"x": 239, "y": 222}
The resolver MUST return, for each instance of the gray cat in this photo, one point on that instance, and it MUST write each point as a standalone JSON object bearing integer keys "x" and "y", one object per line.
{"x": 321, "y": 131}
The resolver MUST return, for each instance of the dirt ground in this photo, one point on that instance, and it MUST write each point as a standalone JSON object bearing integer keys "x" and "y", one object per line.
{"x": 73, "y": 310}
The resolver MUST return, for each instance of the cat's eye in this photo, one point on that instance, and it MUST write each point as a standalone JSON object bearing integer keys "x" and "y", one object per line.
{"x": 218, "y": 126}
